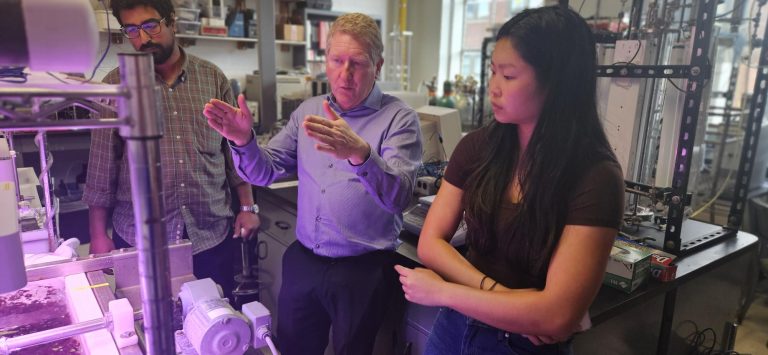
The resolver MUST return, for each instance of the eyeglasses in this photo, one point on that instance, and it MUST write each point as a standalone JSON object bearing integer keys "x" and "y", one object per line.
{"x": 150, "y": 27}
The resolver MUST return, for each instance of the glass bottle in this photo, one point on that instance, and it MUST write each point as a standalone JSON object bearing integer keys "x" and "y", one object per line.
{"x": 447, "y": 99}
{"x": 431, "y": 91}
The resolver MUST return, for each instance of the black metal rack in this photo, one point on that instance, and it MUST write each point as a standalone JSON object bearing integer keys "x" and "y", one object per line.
{"x": 697, "y": 73}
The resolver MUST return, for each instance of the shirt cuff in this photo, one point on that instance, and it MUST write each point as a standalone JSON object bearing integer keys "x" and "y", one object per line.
{"x": 235, "y": 146}
{"x": 98, "y": 199}
{"x": 370, "y": 166}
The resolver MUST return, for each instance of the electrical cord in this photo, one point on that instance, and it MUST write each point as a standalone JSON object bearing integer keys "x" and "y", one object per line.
{"x": 57, "y": 78}
{"x": 265, "y": 334}
{"x": 44, "y": 173}
{"x": 697, "y": 339}
{"x": 582, "y": 5}
{"x": 714, "y": 198}
{"x": 676, "y": 87}
{"x": 699, "y": 344}
{"x": 103, "y": 55}
{"x": 271, "y": 345}
{"x": 630, "y": 62}
{"x": 109, "y": 44}
{"x": 14, "y": 75}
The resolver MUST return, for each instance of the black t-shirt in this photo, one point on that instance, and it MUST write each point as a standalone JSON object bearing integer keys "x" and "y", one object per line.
{"x": 597, "y": 200}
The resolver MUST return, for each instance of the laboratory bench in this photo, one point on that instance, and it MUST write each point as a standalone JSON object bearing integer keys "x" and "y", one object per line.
{"x": 713, "y": 289}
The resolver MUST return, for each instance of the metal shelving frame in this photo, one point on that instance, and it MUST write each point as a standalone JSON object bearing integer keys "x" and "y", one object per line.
{"x": 140, "y": 123}
{"x": 697, "y": 73}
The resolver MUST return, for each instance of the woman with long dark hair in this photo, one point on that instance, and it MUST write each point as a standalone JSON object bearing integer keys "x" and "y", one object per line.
{"x": 541, "y": 193}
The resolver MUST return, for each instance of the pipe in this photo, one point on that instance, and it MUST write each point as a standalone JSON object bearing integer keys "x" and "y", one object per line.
{"x": 9, "y": 137}
{"x": 9, "y": 345}
{"x": 404, "y": 50}
{"x": 142, "y": 138}
{"x": 25, "y": 126}
{"x": 96, "y": 91}
{"x": 40, "y": 139}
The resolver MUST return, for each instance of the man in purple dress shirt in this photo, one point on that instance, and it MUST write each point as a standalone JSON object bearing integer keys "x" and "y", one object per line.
{"x": 356, "y": 153}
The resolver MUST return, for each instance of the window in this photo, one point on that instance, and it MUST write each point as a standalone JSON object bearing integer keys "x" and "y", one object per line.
{"x": 478, "y": 9}
{"x": 516, "y": 6}
{"x": 480, "y": 16}
{"x": 470, "y": 64}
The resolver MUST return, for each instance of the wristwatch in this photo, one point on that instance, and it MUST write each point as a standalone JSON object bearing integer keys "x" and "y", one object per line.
{"x": 254, "y": 208}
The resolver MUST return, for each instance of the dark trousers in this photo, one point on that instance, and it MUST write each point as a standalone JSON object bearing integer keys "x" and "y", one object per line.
{"x": 350, "y": 294}
{"x": 216, "y": 263}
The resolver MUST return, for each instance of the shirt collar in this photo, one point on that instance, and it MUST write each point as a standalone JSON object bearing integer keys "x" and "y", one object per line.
{"x": 183, "y": 76}
{"x": 372, "y": 102}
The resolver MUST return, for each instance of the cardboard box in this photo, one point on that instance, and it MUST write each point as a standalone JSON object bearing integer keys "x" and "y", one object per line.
{"x": 628, "y": 266}
{"x": 214, "y": 31}
{"x": 663, "y": 267}
{"x": 291, "y": 32}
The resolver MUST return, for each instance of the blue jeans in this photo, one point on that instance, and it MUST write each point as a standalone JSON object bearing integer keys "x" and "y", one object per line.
{"x": 455, "y": 333}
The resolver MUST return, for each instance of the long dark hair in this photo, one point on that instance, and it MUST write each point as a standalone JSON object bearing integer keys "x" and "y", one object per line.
{"x": 568, "y": 138}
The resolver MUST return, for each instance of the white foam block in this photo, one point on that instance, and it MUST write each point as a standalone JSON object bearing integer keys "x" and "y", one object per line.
{"x": 83, "y": 307}
{"x": 122, "y": 323}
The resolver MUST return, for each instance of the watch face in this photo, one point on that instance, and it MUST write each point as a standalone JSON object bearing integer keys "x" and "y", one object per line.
{"x": 254, "y": 208}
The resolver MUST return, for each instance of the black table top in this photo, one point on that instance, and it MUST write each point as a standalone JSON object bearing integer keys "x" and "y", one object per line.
{"x": 611, "y": 302}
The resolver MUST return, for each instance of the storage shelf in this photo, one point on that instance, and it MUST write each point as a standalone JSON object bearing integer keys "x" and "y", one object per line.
{"x": 215, "y": 38}
{"x": 290, "y": 43}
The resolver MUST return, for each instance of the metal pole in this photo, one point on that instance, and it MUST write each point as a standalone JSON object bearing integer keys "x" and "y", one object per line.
{"x": 754, "y": 123}
{"x": 267, "y": 74}
{"x": 14, "y": 126}
{"x": 9, "y": 137}
{"x": 9, "y": 345}
{"x": 702, "y": 35}
{"x": 53, "y": 242}
{"x": 480, "y": 114}
{"x": 667, "y": 316}
{"x": 246, "y": 256}
{"x": 634, "y": 18}
{"x": 142, "y": 137}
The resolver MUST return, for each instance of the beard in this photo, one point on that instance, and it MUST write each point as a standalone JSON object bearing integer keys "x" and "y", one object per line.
{"x": 161, "y": 53}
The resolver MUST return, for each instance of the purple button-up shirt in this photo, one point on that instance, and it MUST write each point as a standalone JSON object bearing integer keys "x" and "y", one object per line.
{"x": 344, "y": 210}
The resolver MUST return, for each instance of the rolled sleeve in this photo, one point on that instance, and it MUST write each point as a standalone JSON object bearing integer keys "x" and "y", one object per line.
{"x": 263, "y": 166}
{"x": 103, "y": 168}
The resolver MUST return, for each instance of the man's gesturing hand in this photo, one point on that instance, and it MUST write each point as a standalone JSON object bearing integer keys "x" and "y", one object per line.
{"x": 334, "y": 136}
{"x": 232, "y": 123}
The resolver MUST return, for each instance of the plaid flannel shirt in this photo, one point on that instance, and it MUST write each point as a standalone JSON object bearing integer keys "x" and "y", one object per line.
{"x": 197, "y": 169}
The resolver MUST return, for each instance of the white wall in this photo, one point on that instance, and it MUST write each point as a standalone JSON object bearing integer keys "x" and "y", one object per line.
{"x": 424, "y": 20}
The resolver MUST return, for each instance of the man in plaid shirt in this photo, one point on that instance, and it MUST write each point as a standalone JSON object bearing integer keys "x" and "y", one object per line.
{"x": 197, "y": 169}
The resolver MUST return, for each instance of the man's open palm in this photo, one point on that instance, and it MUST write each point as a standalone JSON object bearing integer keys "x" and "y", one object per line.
{"x": 232, "y": 123}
